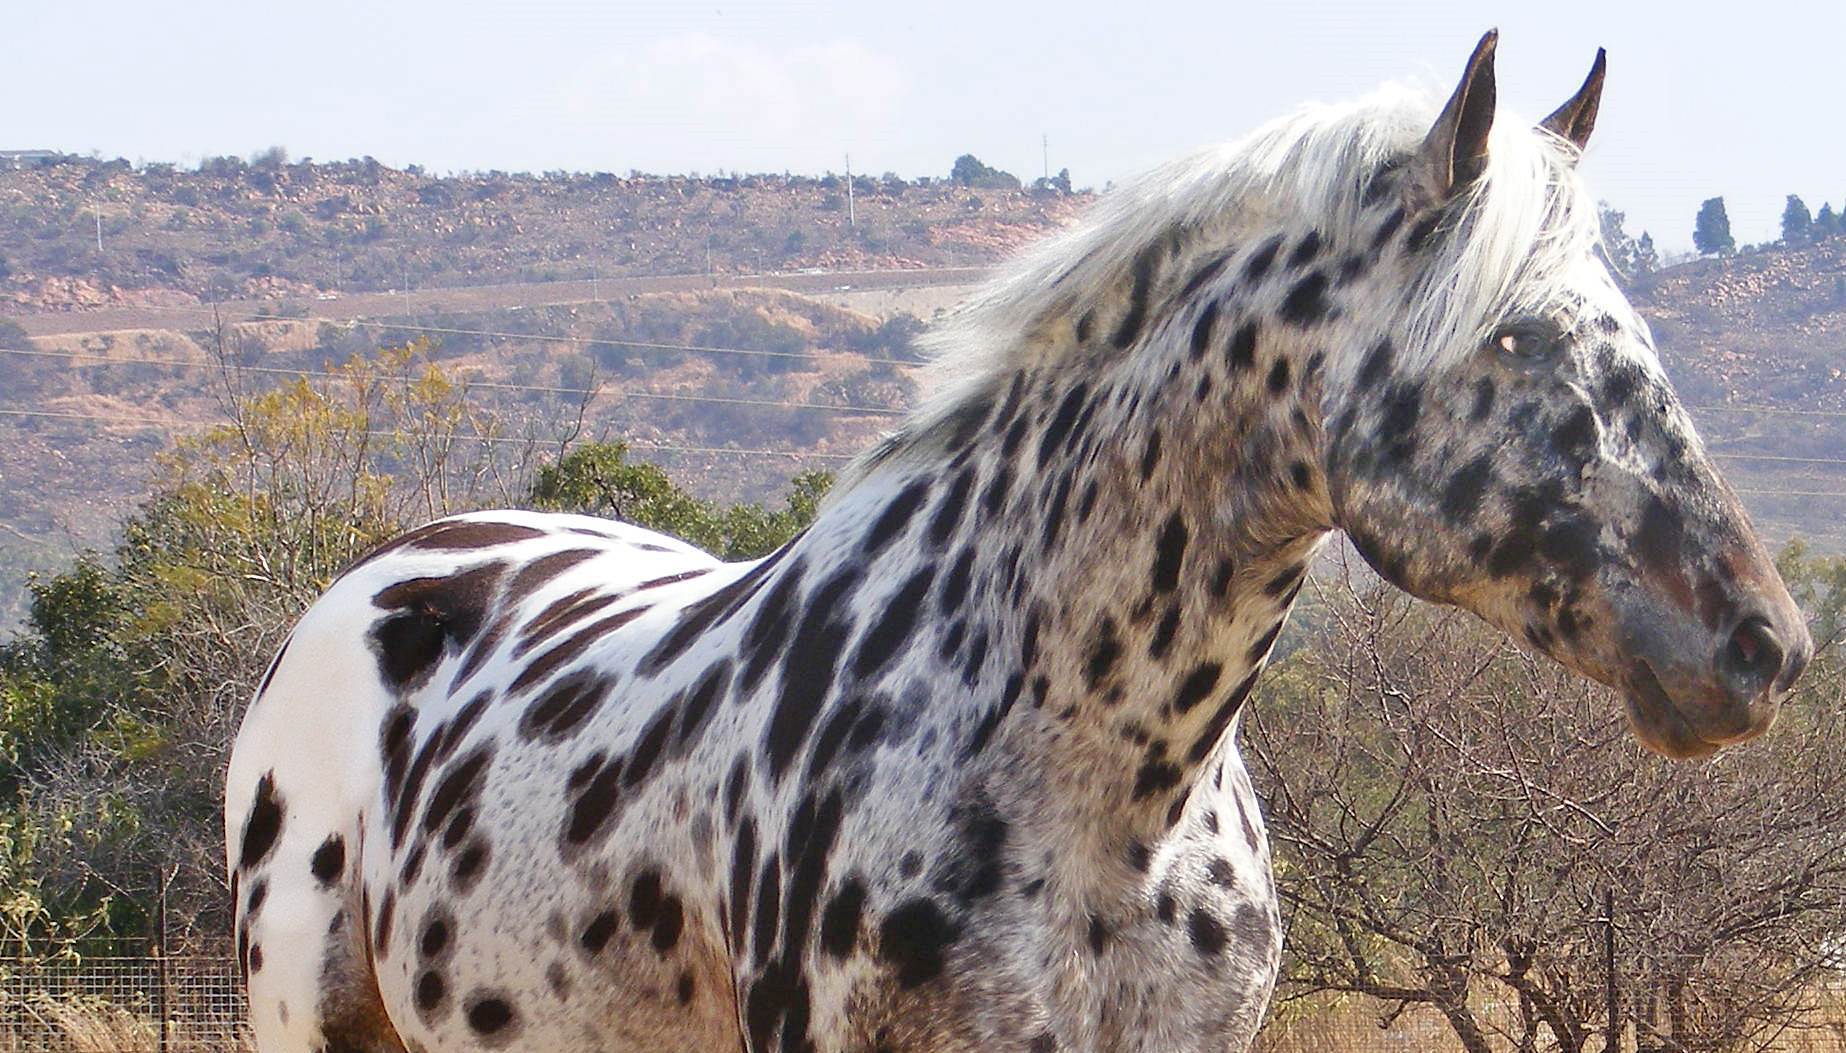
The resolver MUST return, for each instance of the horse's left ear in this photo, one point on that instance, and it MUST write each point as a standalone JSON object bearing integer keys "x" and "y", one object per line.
{"x": 1577, "y": 118}
{"x": 1455, "y": 151}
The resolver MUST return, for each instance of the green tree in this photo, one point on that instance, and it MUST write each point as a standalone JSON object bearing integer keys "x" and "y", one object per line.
{"x": 1617, "y": 247}
{"x": 1646, "y": 257}
{"x": 968, "y": 170}
{"x": 1711, "y": 232}
{"x": 1797, "y": 222}
{"x": 1826, "y": 222}
{"x": 598, "y": 479}
{"x": 119, "y": 699}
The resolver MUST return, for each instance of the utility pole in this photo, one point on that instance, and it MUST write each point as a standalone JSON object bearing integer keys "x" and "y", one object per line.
{"x": 851, "y": 218}
{"x": 97, "y": 206}
{"x": 1044, "y": 143}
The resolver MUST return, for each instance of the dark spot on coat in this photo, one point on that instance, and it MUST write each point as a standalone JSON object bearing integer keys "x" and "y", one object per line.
{"x": 1278, "y": 377}
{"x": 1170, "y": 553}
{"x": 897, "y": 619}
{"x": 1483, "y": 400}
{"x": 329, "y": 859}
{"x": 1061, "y": 422}
{"x": 1164, "y": 633}
{"x": 839, "y": 923}
{"x": 601, "y": 929}
{"x": 949, "y": 509}
{"x": 896, "y": 516}
{"x": 562, "y": 708}
{"x": 1154, "y": 777}
{"x": 1461, "y": 496}
{"x": 1104, "y": 651}
{"x": 1206, "y": 932}
{"x": 711, "y": 611}
{"x": 1376, "y": 368}
{"x": 809, "y": 668}
{"x": 1201, "y": 329}
{"x": 490, "y": 1015}
{"x": 1306, "y": 302}
{"x": 1241, "y": 352}
{"x": 1261, "y": 260}
{"x": 1136, "y": 316}
{"x": 1305, "y": 251}
{"x": 1099, "y": 935}
{"x": 264, "y": 824}
{"x": 1198, "y": 684}
{"x": 427, "y": 617}
{"x": 1150, "y": 455}
{"x": 914, "y": 939}
{"x": 955, "y": 584}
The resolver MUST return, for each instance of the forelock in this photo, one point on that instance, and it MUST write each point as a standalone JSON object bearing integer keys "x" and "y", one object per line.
{"x": 1523, "y": 237}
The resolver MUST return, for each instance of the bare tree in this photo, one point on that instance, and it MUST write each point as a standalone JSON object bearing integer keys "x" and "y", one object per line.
{"x": 1462, "y": 826}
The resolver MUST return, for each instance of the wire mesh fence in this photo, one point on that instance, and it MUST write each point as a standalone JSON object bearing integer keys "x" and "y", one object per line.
{"x": 122, "y": 1003}
{"x": 128, "y": 1002}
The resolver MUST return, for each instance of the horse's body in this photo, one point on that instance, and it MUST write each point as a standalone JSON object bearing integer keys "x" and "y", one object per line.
{"x": 953, "y": 770}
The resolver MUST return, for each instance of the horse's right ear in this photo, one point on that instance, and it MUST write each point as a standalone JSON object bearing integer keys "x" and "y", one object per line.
{"x": 1454, "y": 152}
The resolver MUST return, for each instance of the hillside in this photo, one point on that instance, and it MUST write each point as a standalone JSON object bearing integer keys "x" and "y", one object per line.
{"x": 1756, "y": 343}
{"x": 82, "y": 234}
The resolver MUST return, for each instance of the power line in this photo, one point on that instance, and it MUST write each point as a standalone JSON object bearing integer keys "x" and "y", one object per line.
{"x": 642, "y": 444}
{"x": 1727, "y": 456}
{"x": 645, "y": 345}
{"x": 1772, "y": 411}
{"x": 659, "y": 396}
{"x": 489, "y": 384}
{"x": 638, "y": 444}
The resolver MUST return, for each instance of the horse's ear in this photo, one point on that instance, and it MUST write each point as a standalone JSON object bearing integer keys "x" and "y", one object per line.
{"x": 1455, "y": 150}
{"x": 1577, "y": 118}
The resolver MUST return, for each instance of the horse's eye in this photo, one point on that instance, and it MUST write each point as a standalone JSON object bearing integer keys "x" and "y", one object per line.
{"x": 1527, "y": 340}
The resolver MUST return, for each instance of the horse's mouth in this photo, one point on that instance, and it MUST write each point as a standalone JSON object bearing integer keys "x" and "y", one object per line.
{"x": 1657, "y": 722}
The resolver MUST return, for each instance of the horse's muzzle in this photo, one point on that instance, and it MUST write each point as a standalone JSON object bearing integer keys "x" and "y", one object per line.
{"x": 1686, "y": 700}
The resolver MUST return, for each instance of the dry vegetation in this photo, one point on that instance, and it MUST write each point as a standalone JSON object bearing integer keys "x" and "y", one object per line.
{"x": 233, "y": 229}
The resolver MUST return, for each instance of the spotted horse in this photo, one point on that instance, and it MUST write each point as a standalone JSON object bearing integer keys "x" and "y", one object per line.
{"x": 954, "y": 770}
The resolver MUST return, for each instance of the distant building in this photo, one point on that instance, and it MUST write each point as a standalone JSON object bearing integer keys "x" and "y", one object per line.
{"x": 16, "y": 159}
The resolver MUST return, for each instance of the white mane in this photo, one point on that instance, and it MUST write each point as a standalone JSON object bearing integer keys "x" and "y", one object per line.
{"x": 1526, "y": 224}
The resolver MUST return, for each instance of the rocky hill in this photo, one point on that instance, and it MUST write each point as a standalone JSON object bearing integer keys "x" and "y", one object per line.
{"x": 80, "y": 233}
{"x": 1756, "y": 343}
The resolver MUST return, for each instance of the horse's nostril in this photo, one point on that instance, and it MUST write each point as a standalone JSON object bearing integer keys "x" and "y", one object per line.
{"x": 1753, "y": 655}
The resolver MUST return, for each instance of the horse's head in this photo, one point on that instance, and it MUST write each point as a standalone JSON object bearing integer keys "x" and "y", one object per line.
{"x": 1503, "y": 439}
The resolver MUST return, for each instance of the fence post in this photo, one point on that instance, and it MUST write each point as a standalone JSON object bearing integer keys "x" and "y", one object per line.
{"x": 160, "y": 956}
{"x": 1613, "y": 1042}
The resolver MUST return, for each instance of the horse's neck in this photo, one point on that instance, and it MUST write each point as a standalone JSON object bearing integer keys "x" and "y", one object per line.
{"x": 1133, "y": 535}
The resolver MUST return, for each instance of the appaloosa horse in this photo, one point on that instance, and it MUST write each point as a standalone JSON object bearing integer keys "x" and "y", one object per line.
{"x": 954, "y": 770}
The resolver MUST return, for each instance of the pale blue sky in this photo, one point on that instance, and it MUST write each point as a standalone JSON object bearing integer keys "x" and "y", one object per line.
{"x": 1747, "y": 100}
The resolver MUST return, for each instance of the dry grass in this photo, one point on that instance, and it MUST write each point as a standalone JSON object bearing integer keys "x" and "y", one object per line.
{"x": 82, "y": 1025}
{"x": 49, "y": 1025}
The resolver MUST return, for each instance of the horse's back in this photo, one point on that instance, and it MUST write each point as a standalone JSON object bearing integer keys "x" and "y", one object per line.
{"x": 357, "y": 802}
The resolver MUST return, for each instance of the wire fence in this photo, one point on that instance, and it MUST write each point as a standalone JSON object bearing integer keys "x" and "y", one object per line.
{"x": 122, "y": 1004}
{"x": 127, "y": 1003}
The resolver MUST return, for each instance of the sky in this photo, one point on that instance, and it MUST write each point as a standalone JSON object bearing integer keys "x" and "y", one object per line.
{"x": 1747, "y": 101}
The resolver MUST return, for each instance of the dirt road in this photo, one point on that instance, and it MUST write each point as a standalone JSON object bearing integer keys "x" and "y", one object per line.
{"x": 483, "y": 298}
